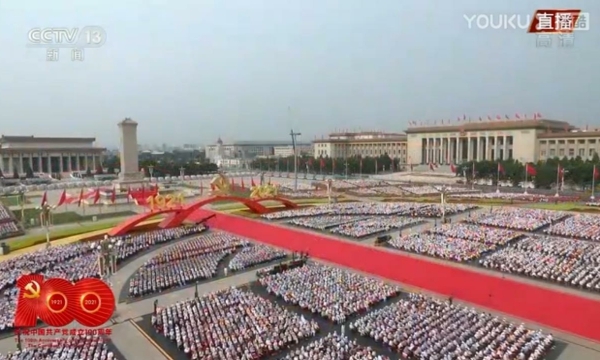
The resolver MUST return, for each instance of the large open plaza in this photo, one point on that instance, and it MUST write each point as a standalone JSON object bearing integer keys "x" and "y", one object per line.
{"x": 205, "y": 291}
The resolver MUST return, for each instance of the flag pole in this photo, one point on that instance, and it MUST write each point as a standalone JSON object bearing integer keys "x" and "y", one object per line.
{"x": 498, "y": 180}
{"x": 593, "y": 183}
{"x": 525, "y": 183}
{"x": 473, "y": 176}
{"x": 557, "y": 180}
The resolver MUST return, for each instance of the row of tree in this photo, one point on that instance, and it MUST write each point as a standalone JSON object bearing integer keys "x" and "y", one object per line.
{"x": 163, "y": 166}
{"x": 544, "y": 174}
{"x": 350, "y": 165}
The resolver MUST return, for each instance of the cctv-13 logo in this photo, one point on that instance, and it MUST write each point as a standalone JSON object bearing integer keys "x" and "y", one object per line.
{"x": 57, "y": 302}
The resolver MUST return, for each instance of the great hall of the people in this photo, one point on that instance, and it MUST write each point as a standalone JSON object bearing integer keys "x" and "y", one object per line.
{"x": 522, "y": 140}
{"x": 48, "y": 154}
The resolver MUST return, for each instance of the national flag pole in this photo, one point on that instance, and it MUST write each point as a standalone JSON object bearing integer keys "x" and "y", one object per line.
{"x": 525, "y": 183}
{"x": 498, "y": 180}
{"x": 473, "y": 176}
{"x": 557, "y": 181}
{"x": 593, "y": 183}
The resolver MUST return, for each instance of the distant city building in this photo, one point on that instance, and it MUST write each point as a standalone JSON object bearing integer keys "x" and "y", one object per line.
{"x": 288, "y": 150}
{"x": 223, "y": 153}
{"x": 48, "y": 155}
{"x": 366, "y": 143}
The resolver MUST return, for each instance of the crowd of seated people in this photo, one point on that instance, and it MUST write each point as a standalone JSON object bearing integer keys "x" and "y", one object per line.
{"x": 580, "y": 226}
{"x": 184, "y": 263}
{"x": 72, "y": 262}
{"x": 441, "y": 246}
{"x": 334, "y": 346}
{"x": 431, "y": 190}
{"x": 130, "y": 245}
{"x": 325, "y": 221}
{"x": 333, "y": 293}
{"x": 8, "y": 224}
{"x": 372, "y": 209}
{"x": 364, "y": 191}
{"x": 477, "y": 233}
{"x": 565, "y": 261}
{"x": 517, "y": 218}
{"x": 420, "y": 327}
{"x": 252, "y": 255}
{"x": 231, "y": 324}
{"x": 540, "y": 198}
{"x": 372, "y": 226}
{"x": 92, "y": 347}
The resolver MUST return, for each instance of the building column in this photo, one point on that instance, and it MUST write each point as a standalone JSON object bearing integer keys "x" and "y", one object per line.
{"x": 458, "y": 154}
{"x": 94, "y": 161}
{"x": 481, "y": 148}
{"x": 39, "y": 159}
{"x": 21, "y": 165}
{"x": 505, "y": 146}
{"x": 469, "y": 152}
{"x": 85, "y": 164}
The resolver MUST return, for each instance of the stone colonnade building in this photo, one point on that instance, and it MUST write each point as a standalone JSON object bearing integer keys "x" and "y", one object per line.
{"x": 523, "y": 140}
{"x": 48, "y": 155}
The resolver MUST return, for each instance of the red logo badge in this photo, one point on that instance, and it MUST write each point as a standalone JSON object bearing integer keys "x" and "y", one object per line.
{"x": 57, "y": 302}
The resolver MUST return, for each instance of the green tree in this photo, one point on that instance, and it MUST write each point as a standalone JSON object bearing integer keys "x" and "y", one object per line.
{"x": 29, "y": 173}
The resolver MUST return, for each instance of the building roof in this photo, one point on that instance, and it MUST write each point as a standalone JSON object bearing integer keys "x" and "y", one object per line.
{"x": 494, "y": 125}
{"x": 570, "y": 135}
{"x": 33, "y": 139}
{"x": 400, "y": 138}
{"x": 128, "y": 121}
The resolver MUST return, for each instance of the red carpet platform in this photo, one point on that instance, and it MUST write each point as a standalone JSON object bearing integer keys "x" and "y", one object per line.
{"x": 567, "y": 312}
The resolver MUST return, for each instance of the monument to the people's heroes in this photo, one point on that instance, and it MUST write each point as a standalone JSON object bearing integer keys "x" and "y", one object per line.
{"x": 130, "y": 175}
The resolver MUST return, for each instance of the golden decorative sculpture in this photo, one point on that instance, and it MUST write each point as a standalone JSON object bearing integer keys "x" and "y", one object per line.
{"x": 263, "y": 191}
{"x": 220, "y": 185}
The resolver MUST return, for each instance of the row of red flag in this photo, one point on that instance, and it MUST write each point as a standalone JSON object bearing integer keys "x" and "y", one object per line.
{"x": 93, "y": 196}
{"x": 529, "y": 170}
{"x": 536, "y": 116}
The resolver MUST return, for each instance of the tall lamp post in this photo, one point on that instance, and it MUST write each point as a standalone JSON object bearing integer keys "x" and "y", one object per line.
{"x": 181, "y": 173}
{"x": 46, "y": 221}
{"x": 294, "y": 135}
{"x": 151, "y": 171}
{"x": 107, "y": 257}
{"x": 443, "y": 193}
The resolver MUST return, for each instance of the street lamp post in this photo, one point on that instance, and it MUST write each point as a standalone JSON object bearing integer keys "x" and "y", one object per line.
{"x": 443, "y": 192}
{"x": 294, "y": 135}
{"x": 45, "y": 221}
{"x": 181, "y": 173}
{"x": 107, "y": 257}
{"x": 150, "y": 171}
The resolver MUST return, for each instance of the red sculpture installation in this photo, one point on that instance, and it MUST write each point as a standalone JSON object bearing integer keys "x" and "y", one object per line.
{"x": 178, "y": 215}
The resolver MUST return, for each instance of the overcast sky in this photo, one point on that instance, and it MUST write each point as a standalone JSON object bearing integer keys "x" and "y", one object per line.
{"x": 192, "y": 70}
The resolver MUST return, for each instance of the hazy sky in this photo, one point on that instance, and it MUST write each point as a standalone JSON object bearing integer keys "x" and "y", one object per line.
{"x": 189, "y": 71}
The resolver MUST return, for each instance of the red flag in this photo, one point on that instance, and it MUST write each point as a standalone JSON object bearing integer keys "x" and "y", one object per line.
{"x": 517, "y": 116}
{"x": 465, "y": 117}
{"x": 431, "y": 166}
{"x": 63, "y": 198}
{"x": 322, "y": 164}
{"x": 113, "y": 195}
{"x": 560, "y": 170}
{"x": 80, "y": 197}
{"x": 44, "y": 199}
{"x": 530, "y": 170}
{"x": 507, "y": 117}
{"x": 360, "y": 164}
{"x": 500, "y": 169}
{"x": 498, "y": 117}
{"x": 596, "y": 173}
{"x": 453, "y": 168}
{"x": 252, "y": 183}
{"x": 534, "y": 116}
{"x": 310, "y": 162}
{"x": 128, "y": 194}
{"x": 539, "y": 115}
{"x": 97, "y": 196}
{"x": 489, "y": 118}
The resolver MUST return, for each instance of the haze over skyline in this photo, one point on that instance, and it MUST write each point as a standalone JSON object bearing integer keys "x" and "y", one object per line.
{"x": 191, "y": 71}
